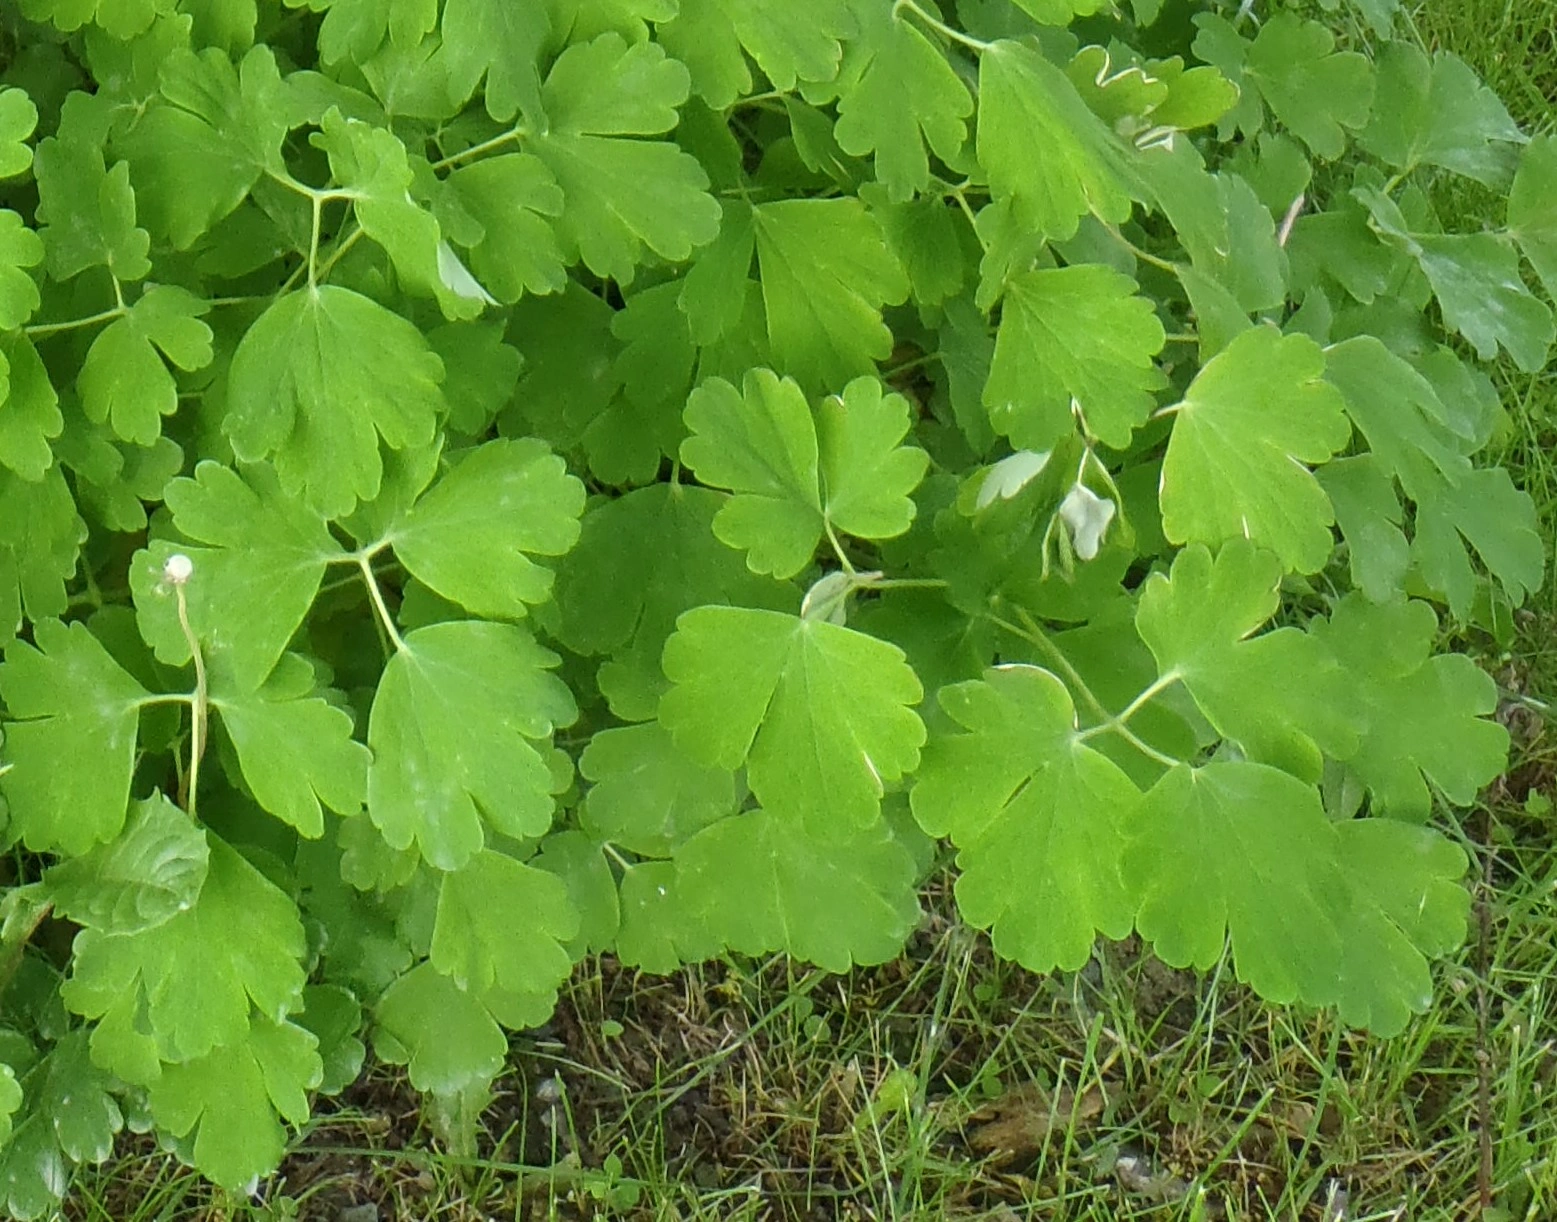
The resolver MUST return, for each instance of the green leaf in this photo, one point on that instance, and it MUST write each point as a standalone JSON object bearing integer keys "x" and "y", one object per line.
{"x": 20, "y": 248}
{"x": 371, "y": 164}
{"x": 33, "y": 1171}
{"x": 87, "y": 212}
{"x": 335, "y": 1018}
{"x": 1437, "y": 112}
{"x": 790, "y": 43}
{"x": 1234, "y": 468}
{"x": 896, "y": 94}
{"x": 502, "y": 42}
{"x": 1281, "y": 694}
{"x": 454, "y": 731}
{"x": 502, "y": 926}
{"x": 75, "y": 1097}
{"x": 467, "y": 536}
{"x": 1369, "y": 515}
{"x": 1498, "y": 520}
{"x": 448, "y": 1038}
{"x": 1428, "y": 719}
{"x": 197, "y": 152}
{"x": 1244, "y": 850}
{"x": 516, "y": 202}
{"x": 259, "y": 559}
{"x": 124, "y": 381}
{"x": 819, "y": 714}
{"x": 580, "y": 863}
{"x": 229, "y": 1100}
{"x": 153, "y": 870}
{"x": 1318, "y": 93}
{"x": 354, "y": 29}
{"x": 70, "y": 741}
{"x": 1475, "y": 277}
{"x": 197, "y": 977}
{"x": 795, "y": 477}
{"x": 1038, "y": 817}
{"x": 121, "y": 18}
{"x": 1073, "y": 341}
{"x": 1532, "y": 209}
{"x": 622, "y": 195}
{"x": 1025, "y": 101}
{"x": 769, "y": 882}
{"x": 295, "y": 749}
{"x": 826, "y": 273}
{"x": 31, "y": 417}
{"x": 40, "y": 556}
{"x": 643, "y": 559}
{"x": 648, "y": 795}
{"x": 317, "y": 380}
{"x": 659, "y": 931}
{"x": 18, "y": 121}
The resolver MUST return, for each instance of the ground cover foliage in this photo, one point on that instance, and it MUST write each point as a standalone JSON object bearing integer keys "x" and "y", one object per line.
{"x": 491, "y": 486}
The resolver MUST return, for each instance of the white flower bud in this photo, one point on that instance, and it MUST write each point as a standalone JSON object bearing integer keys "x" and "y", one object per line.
{"x": 176, "y": 571}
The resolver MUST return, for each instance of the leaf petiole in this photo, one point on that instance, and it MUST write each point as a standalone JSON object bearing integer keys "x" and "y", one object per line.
{"x": 365, "y": 565}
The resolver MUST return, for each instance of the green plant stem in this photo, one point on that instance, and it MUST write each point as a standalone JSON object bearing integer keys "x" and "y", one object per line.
{"x": 199, "y": 705}
{"x": 1145, "y": 256}
{"x": 365, "y": 565}
{"x": 91, "y": 320}
{"x": 838, "y": 551}
{"x": 479, "y": 150}
{"x": 939, "y": 26}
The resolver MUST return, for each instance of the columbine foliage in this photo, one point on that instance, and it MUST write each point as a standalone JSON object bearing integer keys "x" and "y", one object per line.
{"x": 493, "y": 482}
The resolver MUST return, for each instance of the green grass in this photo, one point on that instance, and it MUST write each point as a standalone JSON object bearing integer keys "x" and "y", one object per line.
{"x": 742, "y": 1091}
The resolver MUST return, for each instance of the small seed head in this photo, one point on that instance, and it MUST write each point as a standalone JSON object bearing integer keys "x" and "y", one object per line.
{"x": 176, "y": 571}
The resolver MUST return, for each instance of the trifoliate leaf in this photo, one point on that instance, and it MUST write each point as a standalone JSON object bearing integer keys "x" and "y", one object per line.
{"x": 197, "y": 152}
{"x": 1281, "y": 694}
{"x": 447, "y": 1038}
{"x": 1039, "y": 818}
{"x": 1485, "y": 510}
{"x": 70, "y": 741}
{"x": 1026, "y": 102}
{"x": 153, "y": 870}
{"x": 199, "y": 974}
{"x": 1318, "y": 93}
{"x": 1436, "y": 112}
{"x": 454, "y": 733}
{"x": 516, "y": 201}
{"x": 87, "y": 212}
{"x": 295, "y": 749}
{"x": 332, "y": 1014}
{"x": 229, "y": 1100}
{"x": 502, "y": 926}
{"x": 261, "y": 558}
{"x": 1415, "y": 438}
{"x": 30, "y": 417}
{"x": 317, "y": 380}
{"x": 354, "y": 29}
{"x": 502, "y": 42}
{"x": 18, "y": 120}
{"x": 75, "y": 1097}
{"x": 770, "y": 882}
{"x": 467, "y": 536}
{"x": 622, "y": 195}
{"x": 1073, "y": 340}
{"x": 794, "y": 477}
{"x": 1475, "y": 277}
{"x": 1246, "y": 850}
{"x": 1253, "y": 415}
{"x": 643, "y": 559}
{"x": 896, "y": 94}
{"x": 648, "y": 795}
{"x": 1427, "y": 718}
{"x": 20, "y": 248}
{"x": 121, "y": 18}
{"x": 371, "y": 164}
{"x": 789, "y": 42}
{"x": 123, "y": 380}
{"x": 481, "y": 373}
{"x": 1532, "y": 209}
{"x": 826, "y": 273}
{"x": 924, "y": 236}
{"x": 819, "y": 714}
